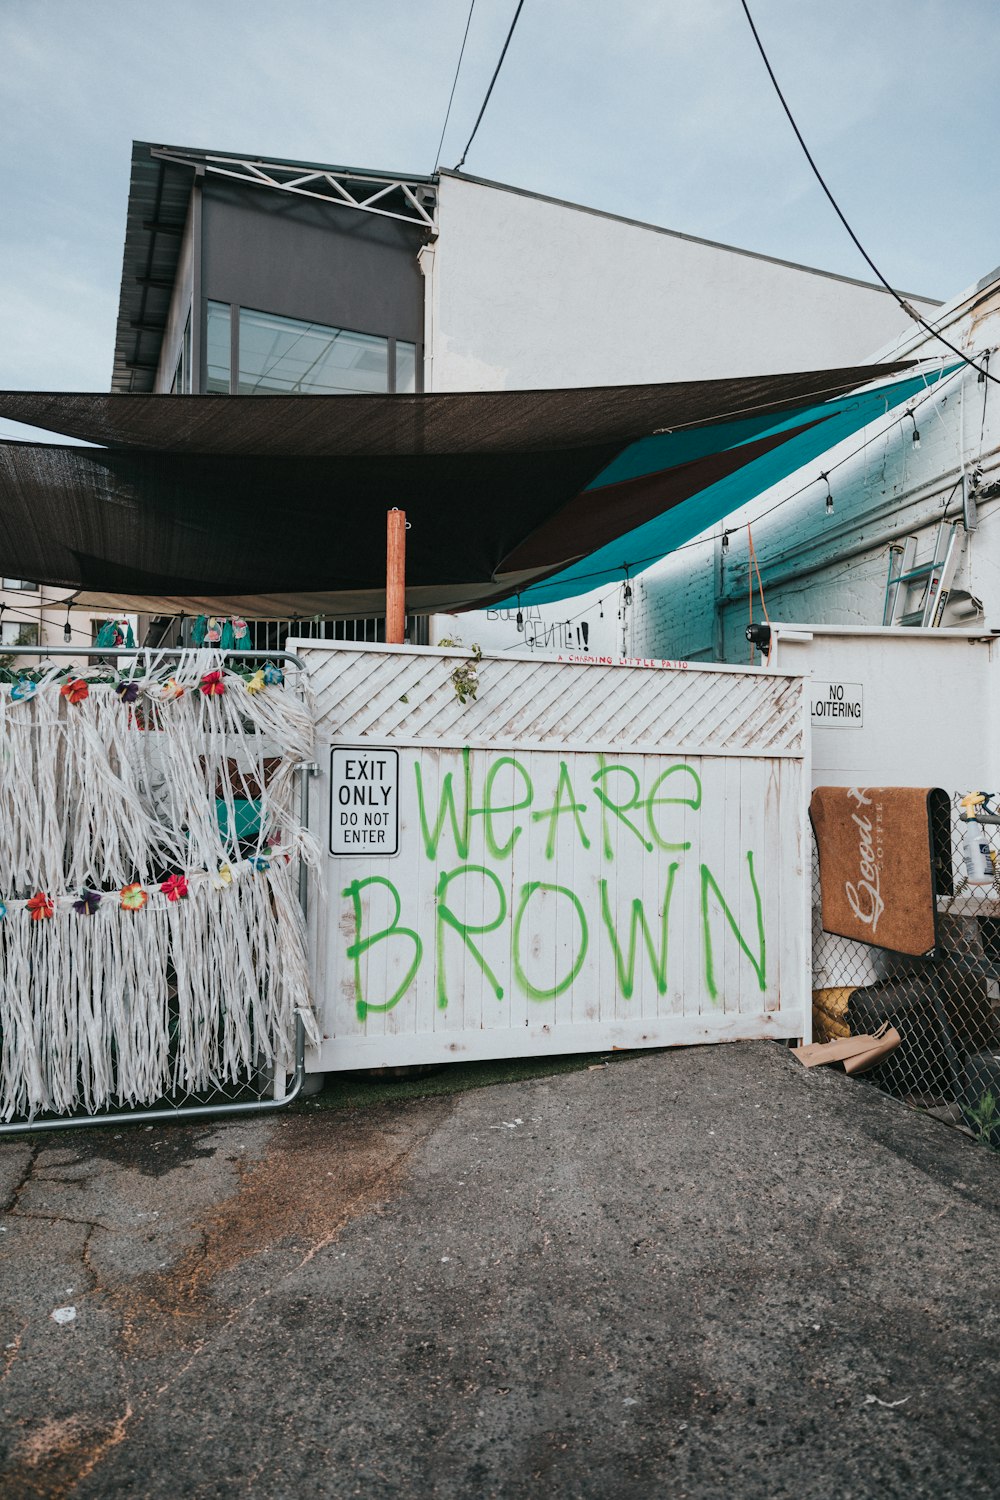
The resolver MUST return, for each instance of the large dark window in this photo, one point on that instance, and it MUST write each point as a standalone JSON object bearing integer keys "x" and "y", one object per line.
{"x": 287, "y": 356}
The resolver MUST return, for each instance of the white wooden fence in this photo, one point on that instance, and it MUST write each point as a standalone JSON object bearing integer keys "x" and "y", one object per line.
{"x": 584, "y": 855}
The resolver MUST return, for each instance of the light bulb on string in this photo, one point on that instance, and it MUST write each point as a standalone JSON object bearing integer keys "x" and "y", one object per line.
{"x": 67, "y": 628}
{"x": 520, "y": 616}
{"x": 916, "y": 435}
{"x": 627, "y": 591}
{"x": 725, "y": 543}
{"x": 829, "y": 494}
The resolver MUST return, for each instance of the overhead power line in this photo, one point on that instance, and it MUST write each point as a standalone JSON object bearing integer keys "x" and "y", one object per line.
{"x": 454, "y": 85}
{"x": 496, "y": 73}
{"x": 910, "y": 311}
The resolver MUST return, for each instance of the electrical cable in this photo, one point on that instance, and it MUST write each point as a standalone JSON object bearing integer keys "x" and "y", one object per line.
{"x": 454, "y": 85}
{"x": 21, "y": 614}
{"x": 910, "y": 311}
{"x": 754, "y": 567}
{"x": 496, "y": 74}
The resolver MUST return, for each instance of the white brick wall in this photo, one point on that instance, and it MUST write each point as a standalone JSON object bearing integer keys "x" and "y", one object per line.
{"x": 832, "y": 569}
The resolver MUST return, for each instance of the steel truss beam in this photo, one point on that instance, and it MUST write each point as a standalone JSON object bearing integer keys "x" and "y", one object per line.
{"x": 412, "y": 201}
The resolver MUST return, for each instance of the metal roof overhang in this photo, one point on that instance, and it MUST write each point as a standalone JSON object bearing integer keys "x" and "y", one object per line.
{"x": 276, "y": 505}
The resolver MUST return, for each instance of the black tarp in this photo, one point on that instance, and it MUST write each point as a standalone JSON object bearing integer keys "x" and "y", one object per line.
{"x": 209, "y": 501}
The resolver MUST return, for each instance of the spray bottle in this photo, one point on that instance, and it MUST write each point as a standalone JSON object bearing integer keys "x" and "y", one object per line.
{"x": 975, "y": 845}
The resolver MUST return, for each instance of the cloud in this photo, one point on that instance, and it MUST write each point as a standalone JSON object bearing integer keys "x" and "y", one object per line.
{"x": 655, "y": 109}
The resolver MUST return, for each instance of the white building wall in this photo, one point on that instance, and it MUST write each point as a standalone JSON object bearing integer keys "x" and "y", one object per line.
{"x": 37, "y": 615}
{"x": 833, "y": 569}
{"x": 594, "y": 624}
{"x": 531, "y": 292}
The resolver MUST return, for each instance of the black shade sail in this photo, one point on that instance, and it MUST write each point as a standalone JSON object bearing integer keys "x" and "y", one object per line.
{"x": 275, "y": 505}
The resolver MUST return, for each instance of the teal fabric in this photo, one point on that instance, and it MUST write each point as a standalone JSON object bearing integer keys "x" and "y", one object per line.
{"x": 667, "y": 450}
{"x": 637, "y": 549}
{"x": 233, "y": 633}
{"x": 112, "y": 634}
{"x": 246, "y": 819}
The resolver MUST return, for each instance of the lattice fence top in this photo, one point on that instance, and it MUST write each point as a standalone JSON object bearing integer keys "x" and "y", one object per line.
{"x": 406, "y": 694}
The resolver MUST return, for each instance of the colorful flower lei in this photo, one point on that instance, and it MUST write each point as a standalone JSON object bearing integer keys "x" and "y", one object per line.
{"x": 133, "y": 897}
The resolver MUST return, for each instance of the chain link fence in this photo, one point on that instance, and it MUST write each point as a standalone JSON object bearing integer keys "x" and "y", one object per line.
{"x": 946, "y": 1007}
{"x": 228, "y": 1085}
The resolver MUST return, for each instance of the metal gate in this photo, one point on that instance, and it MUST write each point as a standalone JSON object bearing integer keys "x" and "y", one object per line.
{"x": 528, "y": 856}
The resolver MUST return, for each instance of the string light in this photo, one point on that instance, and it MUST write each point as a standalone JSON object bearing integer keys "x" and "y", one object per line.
{"x": 67, "y": 627}
{"x": 627, "y": 594}
{"x": 829, "y": 494}
{"x": 725, "y": 543}
{"x": 520, "y": 616}
{"x": 916, "y": 434}
{"x": 932, "y": 393}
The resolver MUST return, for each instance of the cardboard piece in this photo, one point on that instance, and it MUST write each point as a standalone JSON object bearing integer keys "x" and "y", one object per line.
{"x": 857, "y": 1053}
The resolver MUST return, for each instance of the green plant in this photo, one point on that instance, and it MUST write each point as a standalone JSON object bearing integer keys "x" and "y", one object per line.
{"x": 983, "y": 1118}
{"x": 466, "y": 676}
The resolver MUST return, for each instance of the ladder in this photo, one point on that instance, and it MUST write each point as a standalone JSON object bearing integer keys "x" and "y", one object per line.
{"x": 934, "y": 578}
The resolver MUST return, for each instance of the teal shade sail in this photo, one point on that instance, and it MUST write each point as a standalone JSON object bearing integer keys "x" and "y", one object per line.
{"x": 775, "y": 449}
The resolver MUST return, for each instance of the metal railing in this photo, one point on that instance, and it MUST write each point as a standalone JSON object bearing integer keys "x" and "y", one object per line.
{"x": 270, "y": 635}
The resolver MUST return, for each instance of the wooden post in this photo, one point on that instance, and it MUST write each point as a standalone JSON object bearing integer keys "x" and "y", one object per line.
{"x": 395, "y": 577}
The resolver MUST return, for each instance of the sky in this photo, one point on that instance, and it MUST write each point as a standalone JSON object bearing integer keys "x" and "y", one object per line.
{"x": 659, "y": 110}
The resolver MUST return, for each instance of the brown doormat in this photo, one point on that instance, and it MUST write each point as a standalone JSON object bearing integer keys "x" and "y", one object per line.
{"x": 878, "y": 869}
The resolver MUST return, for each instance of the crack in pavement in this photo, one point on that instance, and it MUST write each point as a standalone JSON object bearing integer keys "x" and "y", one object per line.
{"x": 25, "y": 1178}
{"x": 20, "y": 1213}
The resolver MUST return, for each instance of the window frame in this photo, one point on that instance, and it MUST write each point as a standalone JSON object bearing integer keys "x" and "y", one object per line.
{"x": 391, "y": 342}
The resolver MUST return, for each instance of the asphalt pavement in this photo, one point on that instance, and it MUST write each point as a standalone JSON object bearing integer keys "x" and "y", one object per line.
{"x": 697, "y": 1273}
